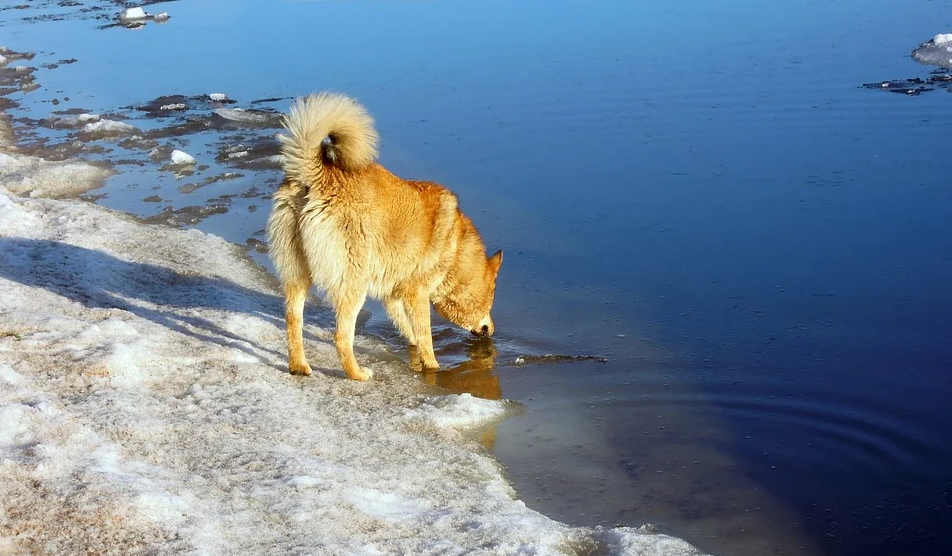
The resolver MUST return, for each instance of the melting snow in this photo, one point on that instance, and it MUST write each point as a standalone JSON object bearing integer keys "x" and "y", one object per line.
{"x": 145, "y": 408}
{"x": 247, "y": 116}
{"x": 182, "y": 157}
{"x": 936, "y": 52}
{"x": 28, "y": 175}
{"x": 106, "y": 128}
{"x": 133, "y": 13}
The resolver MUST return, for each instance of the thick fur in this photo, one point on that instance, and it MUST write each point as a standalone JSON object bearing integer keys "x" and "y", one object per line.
{"x": 347, "y": 225}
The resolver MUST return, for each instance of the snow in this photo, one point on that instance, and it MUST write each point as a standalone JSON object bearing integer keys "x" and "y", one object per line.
{"x": 936, "y": 52}
{"x": 218, "y": 97}
{"x": 3, "y": 60}
{"x": 106, "y": 128}
{"x": 247, "y": 116}
{"x": 182, "y": 157}
{"x": 133, "y": 13}
{"x": 460, "y": 411}
{"x": 146, "y": 408}
{"x": 32, "y": 176}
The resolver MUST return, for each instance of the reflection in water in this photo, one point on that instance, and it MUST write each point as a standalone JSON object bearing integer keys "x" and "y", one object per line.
{"x": 475, "y": 375}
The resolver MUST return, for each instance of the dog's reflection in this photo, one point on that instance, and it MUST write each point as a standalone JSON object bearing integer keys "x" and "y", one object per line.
{"x": 476, "y": 375}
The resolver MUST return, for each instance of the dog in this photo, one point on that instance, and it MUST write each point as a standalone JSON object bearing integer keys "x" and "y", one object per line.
{"x": 344, "y": 223}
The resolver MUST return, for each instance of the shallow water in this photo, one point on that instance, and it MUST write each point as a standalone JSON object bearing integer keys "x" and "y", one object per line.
{"x": 704, "y": 195}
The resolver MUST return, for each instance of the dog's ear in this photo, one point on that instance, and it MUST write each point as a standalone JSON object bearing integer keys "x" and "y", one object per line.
{"x": 496, "y": 261}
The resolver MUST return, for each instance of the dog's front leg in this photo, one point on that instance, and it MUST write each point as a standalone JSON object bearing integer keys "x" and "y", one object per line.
{"x": 347, "y": 307}
{"x": 417, "y": 305}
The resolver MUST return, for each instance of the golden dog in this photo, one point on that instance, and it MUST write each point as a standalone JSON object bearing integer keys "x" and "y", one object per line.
{"x": 344, "y": 223}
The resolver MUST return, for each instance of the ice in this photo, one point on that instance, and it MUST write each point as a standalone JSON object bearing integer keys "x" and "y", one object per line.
{"x": 256, "y": 117}
{"x": 3, "y": 60}
{"x": 462, "y": 411}
{"x": 133, "y": 13}
{"x": 936, "y": 52}
{"x": 218, "y": 97}
{"x": 71, "y": 121}
{"x": 160, "y": 17}
{"x": 35, "y": 177}
{"x": 108, "y": 128}
{"x": 182, "y": 157}
{"x": 146, "y": 408}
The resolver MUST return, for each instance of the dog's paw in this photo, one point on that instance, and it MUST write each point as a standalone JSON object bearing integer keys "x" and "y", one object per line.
{"x": 300, "y": 369}
{"x": 361, "y": 374}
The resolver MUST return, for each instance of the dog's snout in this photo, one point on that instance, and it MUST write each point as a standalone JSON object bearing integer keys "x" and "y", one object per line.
{"x": 484, "y": 327}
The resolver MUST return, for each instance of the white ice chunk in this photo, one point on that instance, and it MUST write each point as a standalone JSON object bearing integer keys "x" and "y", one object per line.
{"x": 3, "y": 60}
{"x": 175, "y": 106}
{"x": 182, "y": 157}
{"x": 218, "y": 97}
{"x": 935, "y": 52}
{"x": 108, "y": 127}
{"x": 164, "y": 16}
{"x": 133, "y": 13}
{"x": 244, "y": 116}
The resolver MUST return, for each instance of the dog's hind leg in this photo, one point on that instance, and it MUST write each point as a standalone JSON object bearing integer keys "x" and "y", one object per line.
{"x": 398, "y": 314}
{"x": 295, "y": 292}
{"x": 417, "y": 305}
{"x": 347, "y": 306}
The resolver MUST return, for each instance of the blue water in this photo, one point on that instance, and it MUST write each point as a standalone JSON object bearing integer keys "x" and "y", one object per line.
{"x": 700, "y": 192}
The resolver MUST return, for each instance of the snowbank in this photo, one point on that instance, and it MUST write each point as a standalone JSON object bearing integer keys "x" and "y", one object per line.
{"x": 146, "y": 409}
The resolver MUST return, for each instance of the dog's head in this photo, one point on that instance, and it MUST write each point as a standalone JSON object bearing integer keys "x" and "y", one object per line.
{"x": 468, "y": 299}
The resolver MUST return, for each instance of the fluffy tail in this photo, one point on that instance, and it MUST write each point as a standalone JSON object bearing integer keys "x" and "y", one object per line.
{"x": 326, "y": 129}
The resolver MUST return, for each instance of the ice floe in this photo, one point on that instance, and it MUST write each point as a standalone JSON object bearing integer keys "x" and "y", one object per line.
{"x": 107, "y": 128}
{"x": 146, "y": 409}
{"x": 136, "y": 17}
{"x": 249, "y": 116}
{"x": 130, "y": 14}
{"x": 181, "y": 157}
{"x": 935, "y": 52}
